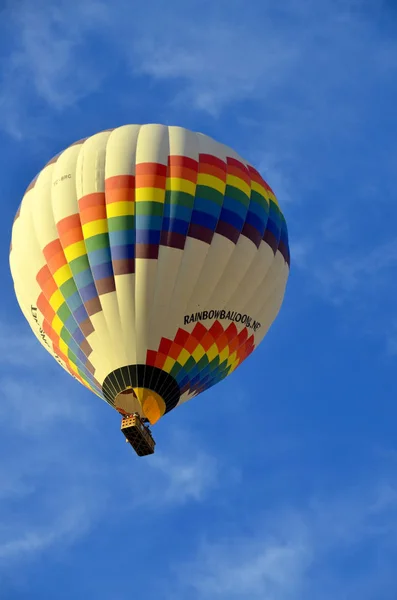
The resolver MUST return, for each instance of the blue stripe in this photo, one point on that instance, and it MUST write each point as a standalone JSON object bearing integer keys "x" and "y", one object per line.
{"x": 204, "y": 219}
{"x": 122, "y": 252}
{"x": 176, "y": 226}
{"x": 231, "y": 218}
{"x": 74, "y": 301}
{"x": 178, "y": 211}
{"x": 148, "y": 237}
{"x": 207, "y": 206}
{"x": 88, "y": 292}
{"x": 235, "y": 206}
{"x": 70, "y": 324}
{"x": 103, "y": 271}
{"x": 148, "y": 222}
{"x": 80, "y": 314}
{"x": 122, "y": 238}
{"x": 259, "y": 210}
{"x": 79, "y": 336}
{"x": 272, "y": 227}
{"x": 83, "y": 279}
{"x": 255, "y": 221}
{"x": 98, "y": 257}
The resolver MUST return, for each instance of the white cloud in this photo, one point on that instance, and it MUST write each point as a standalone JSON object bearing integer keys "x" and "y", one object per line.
{"x": 178, "y": 473}
{"x": 47, "y": 61}
{"x": 299, "y": 554}
{"x": 54, "y": 488}
{"x": 340, "y": 275}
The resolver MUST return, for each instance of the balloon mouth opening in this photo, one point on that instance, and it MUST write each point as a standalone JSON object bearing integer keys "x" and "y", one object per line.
{"x": 147, "y": 390}
{"x": 147, "y": 403}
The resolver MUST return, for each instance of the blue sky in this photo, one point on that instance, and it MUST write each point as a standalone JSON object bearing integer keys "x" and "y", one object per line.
{"x": 303, "y": 504}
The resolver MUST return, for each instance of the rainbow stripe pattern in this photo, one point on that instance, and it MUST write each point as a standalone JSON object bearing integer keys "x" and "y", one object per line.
{"x": 131, "y": 216}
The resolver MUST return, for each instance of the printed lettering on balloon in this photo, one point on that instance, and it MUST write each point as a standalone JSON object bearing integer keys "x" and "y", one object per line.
{"x": 230, "y": 315}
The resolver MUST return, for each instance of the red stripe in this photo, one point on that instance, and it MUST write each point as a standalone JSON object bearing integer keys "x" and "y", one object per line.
{"x": 51, "y": 249}
{"x": 215, "y": 171}
{"x": 151, "y": 169}
{"x": 93, "y": 213}
{"x": 240, "y": 173}
{"x": 68, "y": 223}
{"x": 90, "y": 200}
{"x": 119, "y": 182}
{"x": 183, "y": 161}
{"x": 213, "y": 160}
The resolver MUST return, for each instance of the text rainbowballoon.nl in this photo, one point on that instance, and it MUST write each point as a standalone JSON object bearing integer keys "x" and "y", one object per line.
{"x": 149, "y": 261}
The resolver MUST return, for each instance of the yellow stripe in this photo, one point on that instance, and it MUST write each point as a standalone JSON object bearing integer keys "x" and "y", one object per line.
{"x": 95, "y": 228}
{"x": 212, "y": 352}
{"x": 119, "y": 209}
{"x": 169, "y": 363}
{"x": 239, "y": 184}
{"x": 273, "y": 197}
{"x": 198, "y": 353}
{"x": 75, "y": 251}
{"x": 57, "y": 325}
{"x": 183, "y": 357}
{"x": 257, "y": 187}
{"x": 150, "y": 195}
{"x": 224, "y": 354}
{"x": 63, "y": 347}
{"x": 73, "y": 367}
{"x": 212, "y": 182}
{"x": 232, "y": 358}
{"x": 62, "y": 275}
{"x": 233, "y": 367}
{"x": 176, "y": 184}
{"x": 56, "y": 300}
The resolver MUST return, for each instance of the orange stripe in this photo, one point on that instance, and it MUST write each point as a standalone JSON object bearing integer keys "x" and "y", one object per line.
{"x": 120, "y": 195}
{"x": 56, "y": 262}
{"x": 45, "y": 308}
{"x": 93, "y": 213}
{"x": 183, "y": 173}
{"x": 72, "y": 236}
{"x": 68, "y": 223}
{"x": 150, "y": 181}
{"x": 208, "y": 169}
{"x": 51, "y": 249}
{"x": 43, "y": 275}
{"x": 183, "y": 161}
{"x": 255, "y": 176}
{"x": 49, "y": 288}
{"x": 213, "y": 160}
{"x": 94, "y": 199}
{"x": 150, "y": 169}
{"x": 119, "y": 181}
{"x": 50, "y": 332}
{"x": 237, "y": 172}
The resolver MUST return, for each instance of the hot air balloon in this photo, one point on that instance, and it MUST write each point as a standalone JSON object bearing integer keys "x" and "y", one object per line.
{"x": 149, "y": 261}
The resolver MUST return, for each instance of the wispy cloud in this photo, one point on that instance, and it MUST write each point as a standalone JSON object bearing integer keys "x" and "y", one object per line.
{"x": 45, "y": 64}
{"x": 53, "y": 487}
{"x": 295, "y": 554}
{"x": 182, "y": 471}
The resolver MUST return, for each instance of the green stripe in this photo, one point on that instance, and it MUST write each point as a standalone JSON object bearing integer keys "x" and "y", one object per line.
{"x": 79, "y": 264}
{"x": 180, "y": 198}
{"x": 65, "y": 335}
{"x": 68, "y": 288}
{"x": 209, "y": 193}
{"x": 97, "y": 241}
{"x": 261, "y": 200}
{"x": 121, "y": 224}
{"x": 237, "y": 194}
{"x": 153, "y": 209}
{"x": 63, "y": 312}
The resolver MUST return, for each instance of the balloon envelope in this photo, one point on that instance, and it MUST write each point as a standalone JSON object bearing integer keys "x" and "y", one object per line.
{"x": 149, "y": 261}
